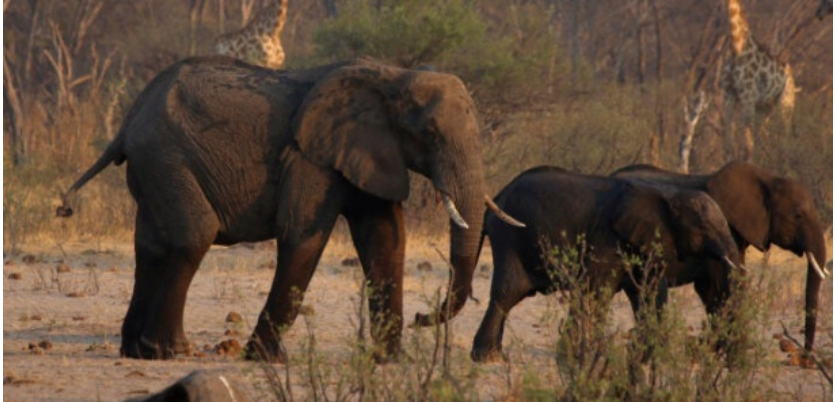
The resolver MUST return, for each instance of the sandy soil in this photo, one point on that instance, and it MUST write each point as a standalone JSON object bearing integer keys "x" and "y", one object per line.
{"x": 80, "y": 312}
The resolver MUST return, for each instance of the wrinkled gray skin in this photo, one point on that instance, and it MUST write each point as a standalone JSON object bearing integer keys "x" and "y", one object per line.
{"x": 762, "y": 209}
{"x": 221, "y": 152}
{"x": 612, "y": 215}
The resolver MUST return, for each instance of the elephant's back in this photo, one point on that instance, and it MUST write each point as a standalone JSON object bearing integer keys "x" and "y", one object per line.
{"x": 222, "y": 125}
{"x": 552, "y": 202}
{"x": 652, "y": 174}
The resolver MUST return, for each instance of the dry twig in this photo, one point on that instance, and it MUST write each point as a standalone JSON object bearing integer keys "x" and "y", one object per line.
{"x": 810, "y": 354}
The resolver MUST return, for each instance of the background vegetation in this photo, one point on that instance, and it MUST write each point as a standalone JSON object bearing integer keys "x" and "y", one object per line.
{"x": 586, "y": 85}
{"x": 589, "y": 86}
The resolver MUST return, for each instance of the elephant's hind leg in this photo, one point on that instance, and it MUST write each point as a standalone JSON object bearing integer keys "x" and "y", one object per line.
{"x": 379, "y": 236}
{"x": 172, "y": 235}
{"x": 147, "y": 275}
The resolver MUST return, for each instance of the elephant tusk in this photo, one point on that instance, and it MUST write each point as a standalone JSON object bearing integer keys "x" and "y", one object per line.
{"x": 453, "y": 212}
{"x": 228, "y": 388}
{"x": 815, "y": 265}
{"x": 502, "y": 214}
{"x": 732, "y": 265}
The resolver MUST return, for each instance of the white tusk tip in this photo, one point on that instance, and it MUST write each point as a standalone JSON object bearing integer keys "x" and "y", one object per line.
{"x": 821, "y": 273}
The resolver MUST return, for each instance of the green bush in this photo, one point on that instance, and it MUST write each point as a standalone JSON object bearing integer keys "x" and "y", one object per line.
{"x": 593, "y": 136}
{"x": 408, "y": 32}
{"x": 502, "y": 59}
{"x": 654, "y": 362}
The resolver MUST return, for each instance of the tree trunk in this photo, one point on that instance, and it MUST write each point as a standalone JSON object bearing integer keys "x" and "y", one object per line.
{"x": 12, "y": 109}
{"x": 195, "y": 21}
{"x": 34, "y": 14}
{"x": 692, "y": 113}
{"x": 330, "y": 8}
{"x": 574, "y": 34}
{"x": 221, "y": 15}
{"x": 639, "y": 42}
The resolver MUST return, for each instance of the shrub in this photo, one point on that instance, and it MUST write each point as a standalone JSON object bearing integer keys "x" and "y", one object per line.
{"x": 408, "y": 32}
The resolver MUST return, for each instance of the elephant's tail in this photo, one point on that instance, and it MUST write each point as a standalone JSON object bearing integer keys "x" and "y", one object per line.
{"x": 114, "y": 153}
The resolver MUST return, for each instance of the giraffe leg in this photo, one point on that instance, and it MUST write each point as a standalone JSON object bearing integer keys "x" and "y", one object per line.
{"x": 730, "y": 139}
{"x": 748, "y": 150}
{"x": 762, "y": 135}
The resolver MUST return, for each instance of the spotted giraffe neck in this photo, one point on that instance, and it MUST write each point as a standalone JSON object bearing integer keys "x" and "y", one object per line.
{"x": 740, "y": 32}
{"x": 272, "y": 19}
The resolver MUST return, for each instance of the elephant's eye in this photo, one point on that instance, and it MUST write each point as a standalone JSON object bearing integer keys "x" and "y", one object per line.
{"x": 435, "y": 134}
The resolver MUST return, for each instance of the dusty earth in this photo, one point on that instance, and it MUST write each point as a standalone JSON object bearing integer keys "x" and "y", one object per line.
{"x": 62, "y": 314}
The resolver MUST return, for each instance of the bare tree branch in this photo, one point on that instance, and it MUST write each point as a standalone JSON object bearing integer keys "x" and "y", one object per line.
{"x": 693, "y": 111}
{"x": 85, "y": 15}
{"x": 12, "y": 104}
{"x": 827, "y": 375}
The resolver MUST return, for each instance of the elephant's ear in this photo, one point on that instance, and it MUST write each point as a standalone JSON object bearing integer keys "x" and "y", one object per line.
{"x": 740, "y": 192}
{"x": 344, "y": 123}
{"x": 642, "y": 219}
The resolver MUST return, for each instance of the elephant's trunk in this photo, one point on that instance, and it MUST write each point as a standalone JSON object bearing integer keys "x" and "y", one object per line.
{"x": 465, "y": 182}
{"x": 813, "y": 286}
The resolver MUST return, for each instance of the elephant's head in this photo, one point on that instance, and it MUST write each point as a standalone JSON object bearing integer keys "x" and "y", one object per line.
{"x": 701, "y": 229}
{"x": 764, "y": 209}
{"x": 375, "y": 123}
{"x": 685, "y": 223}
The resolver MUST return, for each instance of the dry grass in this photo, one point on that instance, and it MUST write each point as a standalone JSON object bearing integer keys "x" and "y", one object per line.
{"x": 324, "y": 344}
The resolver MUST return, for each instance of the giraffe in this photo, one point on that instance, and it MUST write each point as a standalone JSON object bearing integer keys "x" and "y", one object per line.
{"x": 259, "y": 42}
{"x": 753, "y": 80}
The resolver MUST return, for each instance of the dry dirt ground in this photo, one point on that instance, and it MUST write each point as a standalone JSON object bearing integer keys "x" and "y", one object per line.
{"x": 79, "y": 314}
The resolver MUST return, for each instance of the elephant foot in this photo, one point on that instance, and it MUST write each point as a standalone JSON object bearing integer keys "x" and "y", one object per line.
{"x": 150, "y": 350}
{"x": 489, "y": 355}
{"x": 271, "y": 351}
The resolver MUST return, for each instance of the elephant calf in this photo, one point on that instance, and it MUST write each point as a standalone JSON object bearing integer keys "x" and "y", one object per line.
{"x": 762, "y": 209}
{"x": 611, "y": 215}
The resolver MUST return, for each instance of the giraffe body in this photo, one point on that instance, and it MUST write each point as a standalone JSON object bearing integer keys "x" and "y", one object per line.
{"x": 259, "y": 42}
{"x": 753, "y": 79}
{"x": 756, "y": 82}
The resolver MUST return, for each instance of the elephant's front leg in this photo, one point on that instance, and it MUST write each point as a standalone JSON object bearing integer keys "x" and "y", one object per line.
{"x": 647, "y": 301}
{"x": 511, "y": 284}
{"x": 714, "y": 291}
{"x": 297, "y": 259}
{"x": 379, "y": 236}
{"x": 310, "y": 200}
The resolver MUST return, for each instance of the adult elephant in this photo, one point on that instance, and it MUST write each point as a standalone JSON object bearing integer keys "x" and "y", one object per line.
{"x": 610, "y": 216}
{"x": 220, "y": 152}
{"x": 762, "y": 209}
